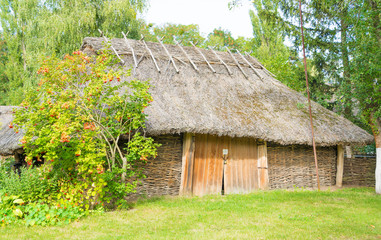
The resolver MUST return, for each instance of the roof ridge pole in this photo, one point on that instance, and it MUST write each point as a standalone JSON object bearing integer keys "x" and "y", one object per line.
{"x": 169, "y": 55}
{"x": 132, "y": 50}
{"x": 198, "y": 50}
{"x": 111, "y": 46}
{"x": 236, "y": 62}
{"x": 185, "y": 53}
{"x": 260, "y": 64}
{"x": 230, "y": 72}
{"x": 255, "y": 70}
{"x": 308, "y": 94}
{"x": 149, "y": 50}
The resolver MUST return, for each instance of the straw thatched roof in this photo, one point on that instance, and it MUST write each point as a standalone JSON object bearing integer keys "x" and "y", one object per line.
{"x": 222, "y": 98}
{"x": 9, "y": 139}
{"x": 237, "y": 101}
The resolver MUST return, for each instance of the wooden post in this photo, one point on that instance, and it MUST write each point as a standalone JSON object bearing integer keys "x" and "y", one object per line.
{"x": 378, "y": 170}
{"x": 187, "y": 164}
{"x": 340, "y": 166}
{"x": 348, "y": 150}
{"x": 263, "y": 174}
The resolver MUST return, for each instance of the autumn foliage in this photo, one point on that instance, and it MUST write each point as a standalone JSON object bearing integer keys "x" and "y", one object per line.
{"x": 73, "y": 120}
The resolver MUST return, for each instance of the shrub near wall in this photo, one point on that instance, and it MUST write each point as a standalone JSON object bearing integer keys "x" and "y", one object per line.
{"x": 73, "y": 121}
{"x": 28, "y": 198}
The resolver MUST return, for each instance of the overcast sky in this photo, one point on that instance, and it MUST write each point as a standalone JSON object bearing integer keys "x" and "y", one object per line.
{"x": 208, "y": 14}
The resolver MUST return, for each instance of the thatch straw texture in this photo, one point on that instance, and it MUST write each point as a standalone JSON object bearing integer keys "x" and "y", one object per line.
{"x": 200, "y": 101}
{"x": 9, "y": 139}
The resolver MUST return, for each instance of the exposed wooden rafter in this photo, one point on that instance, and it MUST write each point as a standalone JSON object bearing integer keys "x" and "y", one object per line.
{"x": 255, "y": 70}
{"x": 186, "y": 54}
{"x": 116, "y": 53}
{"x": 257, "y": 62}
{"x": 169, "y": 55}
{"x": 149, "y": 50}
{"x": 198, "y": 50}
{"x": 230, "y": 72}
{"x": 236, "y": 62}
{"x": 132, "y": 50}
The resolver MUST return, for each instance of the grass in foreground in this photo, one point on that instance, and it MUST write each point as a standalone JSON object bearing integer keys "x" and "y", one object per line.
{"x": 300, "y": 214}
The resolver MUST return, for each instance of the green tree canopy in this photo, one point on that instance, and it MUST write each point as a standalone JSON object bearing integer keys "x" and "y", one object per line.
{"x": 173, "y": 32}
{"x": 32, "y": 29}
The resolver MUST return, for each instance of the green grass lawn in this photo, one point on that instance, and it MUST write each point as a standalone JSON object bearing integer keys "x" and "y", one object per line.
{"x": 299, "y": 214}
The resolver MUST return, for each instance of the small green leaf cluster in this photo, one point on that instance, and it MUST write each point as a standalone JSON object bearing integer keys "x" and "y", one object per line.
{"x": 14, "y": 210}
{"x": 10, "y": 208}
{"x": 37, "y": 213}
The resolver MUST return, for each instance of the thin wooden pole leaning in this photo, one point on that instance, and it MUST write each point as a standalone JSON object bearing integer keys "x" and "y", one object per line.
{"x": 218, "y": 57}
{"x": 236, "y": 62}
{"x": 169, "y": 55}
{"x": 116, "y": 53}
{"x": 149, "y": 50}
{"x": 186, "y": 54}
{"x": 132, "y": 50}
{"x": 198, "y": 50}
{"x": 308, "y": 95}
{"x": 255, "y": 70}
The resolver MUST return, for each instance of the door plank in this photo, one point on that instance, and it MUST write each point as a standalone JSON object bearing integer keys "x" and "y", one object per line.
{"x": 263, "y": 176}
{"x": 208, "y": 166}
{"x": 187, "y": 164}
{"x": 219, "y": 165}
{"x": 199, "y": 165}
{"x": 241, "y": 172}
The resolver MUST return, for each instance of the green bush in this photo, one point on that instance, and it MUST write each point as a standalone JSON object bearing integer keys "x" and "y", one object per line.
{"x": 37, "y": 213}
{"x": 30, "y": 185}
{"x": 14, "y": 210}
{"x": 73, "y": 120}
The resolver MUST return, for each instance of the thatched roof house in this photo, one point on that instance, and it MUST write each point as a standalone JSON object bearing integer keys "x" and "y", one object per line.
{"x": 228, "y": 102}
{"x": 209, "y": 106}
{"x": 226, "y": 124}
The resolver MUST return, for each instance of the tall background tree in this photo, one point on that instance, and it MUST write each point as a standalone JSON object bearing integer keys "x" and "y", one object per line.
{"x": 32, "y": 29}
{"x": 364, "y": 85}
{"x": 268, "y": 45}
{"x": 343, "y": 43}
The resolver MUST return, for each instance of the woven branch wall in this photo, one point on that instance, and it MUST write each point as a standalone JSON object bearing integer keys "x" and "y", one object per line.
{"x": 294, "y": 166}
{"x": 359, "y": 171}
{"x": 163, "y": 173}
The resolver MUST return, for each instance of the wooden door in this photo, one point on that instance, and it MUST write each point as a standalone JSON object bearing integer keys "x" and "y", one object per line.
{"x": 208, "y": 164}
{"x": 204, "y": 171}
{"x": 241, "y": 168}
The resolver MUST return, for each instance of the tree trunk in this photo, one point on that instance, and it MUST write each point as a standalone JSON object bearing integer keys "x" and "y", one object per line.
{"x": 377, "y": 137}
{"x": 345, "y": 56}
{"x": 376, "y": 123}
{"x": 124, "y": 168}
{"x": 378, "y": 168}
{"x": 376, "y": 128}
{"x": 23, "y": 53}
